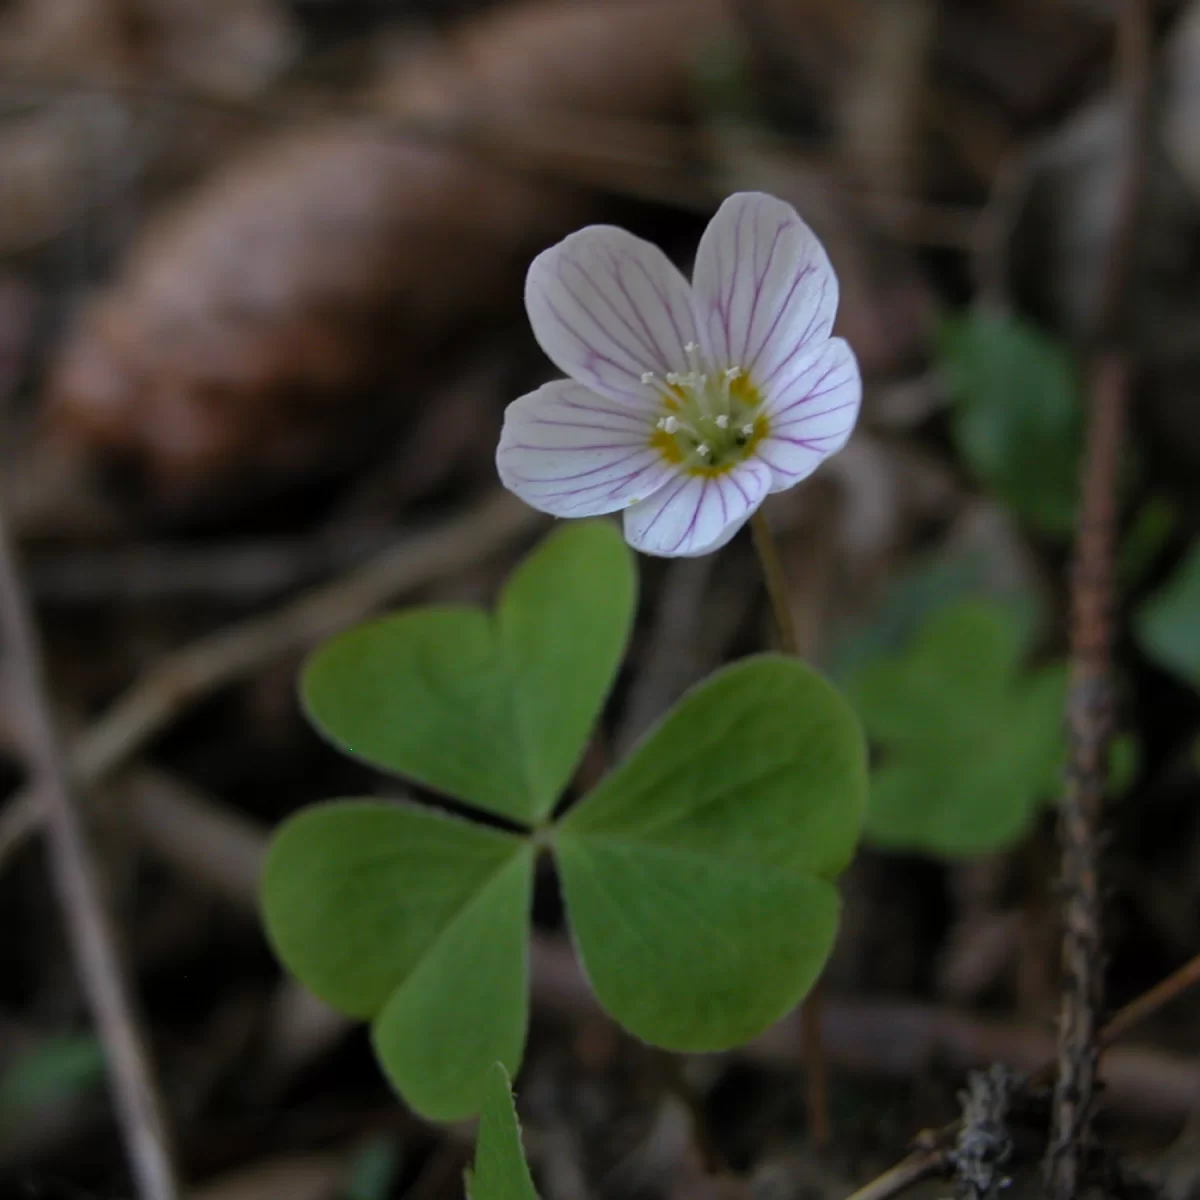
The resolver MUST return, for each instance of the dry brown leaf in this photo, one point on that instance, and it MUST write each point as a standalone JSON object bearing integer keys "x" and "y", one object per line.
{"x": 229, "y": 48}
{"x": 83, "y": 117}
{"x": 247, "y": 322}
{"x": 60, "y": 159}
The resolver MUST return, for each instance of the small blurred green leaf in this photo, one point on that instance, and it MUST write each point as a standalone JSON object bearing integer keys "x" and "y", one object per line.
{"x": 1124, "y": 762}
{"x": 912, "y": 596}
{"x": 724, "y": 82}
{"x": 493, "y": 710}
{"x": 970, "y": 744}
{"x": 501, "y": 1172}
{"x": 52, "y": 1072}
{"x": 417, "y": 920}
{"x": 698, "y": 875}
{"x": 1152, "y": 527}
{"x": 373, "y": 1171}
{"x": 1017, "y": 417}
{"x": 1168, "y": 624}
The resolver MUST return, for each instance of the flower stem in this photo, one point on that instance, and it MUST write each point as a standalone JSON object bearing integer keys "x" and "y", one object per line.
{"x": 817, "y": 1100}
{"x": 776, "y": 581}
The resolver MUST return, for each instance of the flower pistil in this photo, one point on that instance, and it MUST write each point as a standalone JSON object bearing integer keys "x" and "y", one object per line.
{"x": 712, "y": 419}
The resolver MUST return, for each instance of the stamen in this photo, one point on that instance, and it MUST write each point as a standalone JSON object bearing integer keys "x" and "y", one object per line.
{"x": 647, "y": 376}
{"x": 733, "y": 373}
{"x": 722, "y": 422}
{"x": 748, "y": 429}
{"x": 674, "y": 378}
{"x": 668, "y": 424}
{"x": 690, "y": 347}
{"x": 703, "y": 450}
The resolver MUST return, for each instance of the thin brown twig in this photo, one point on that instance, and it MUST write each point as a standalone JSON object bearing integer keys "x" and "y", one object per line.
{"x": 232, "y": 653}
{"x": 817, "y": 1094}
{"x": 19, "y": 820}
{"x": 242, "y": 572}
{"x": 83, "y": 904}
{"x": 920, "y": 1164}
{"x": 1089, "y": 701}
{"x": 1089, "y": 728}
{"x": 1139, "y": 1009}
{"x": 932, "y": 1156}
{"x": 1149, "y": 1002}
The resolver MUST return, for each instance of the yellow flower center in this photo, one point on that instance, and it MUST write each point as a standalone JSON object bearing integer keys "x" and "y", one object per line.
{"x": 711, "y": 420}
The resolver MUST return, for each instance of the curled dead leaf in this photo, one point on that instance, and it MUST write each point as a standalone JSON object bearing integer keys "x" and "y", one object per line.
{"x": 248, "y": 323}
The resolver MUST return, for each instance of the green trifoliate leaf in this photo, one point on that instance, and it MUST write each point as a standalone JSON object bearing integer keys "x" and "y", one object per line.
{"x": 1017, "y": 419}
{"x": 1168, "y": 625}
{"x": 970, "y": 745}
{"x": 467, "y": 1003}
{"x": 698, "y": 876}
{"x": 500, "y": 1170}
{"x": 418, "y": 921}
{"x": 492, "y": 710}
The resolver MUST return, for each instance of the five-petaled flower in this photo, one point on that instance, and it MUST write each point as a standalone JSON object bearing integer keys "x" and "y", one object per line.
{"x": 686, "y": 404}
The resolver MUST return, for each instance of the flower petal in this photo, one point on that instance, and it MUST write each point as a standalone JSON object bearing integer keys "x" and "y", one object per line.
{"x": 812, "y": 413}
{"x": 697, "y": 514}
{"x": 764, "y": 288}
{"x": 569, "y": 452}
{"x": 606, "y": 307}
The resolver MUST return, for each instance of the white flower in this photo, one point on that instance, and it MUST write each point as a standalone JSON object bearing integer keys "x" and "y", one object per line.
{"x": 686, "y": 404}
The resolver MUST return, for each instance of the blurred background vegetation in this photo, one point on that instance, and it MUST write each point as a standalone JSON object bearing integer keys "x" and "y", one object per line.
{"x": 260, "y": 313}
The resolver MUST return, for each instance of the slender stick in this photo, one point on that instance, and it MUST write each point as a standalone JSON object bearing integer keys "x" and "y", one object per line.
{"x": 1139, "y": 1009}
{"x": 1089, "y": 701}
{"x": 82, "y": 901}
{"x": 931, "y": 1153}
{"x": 810, "y": 1012}
{"x": 1149, "y": 1002}
{"x": 1089, "y": 727}
{"x": 920, "y": 1164}
{"x": 238, "y": 650}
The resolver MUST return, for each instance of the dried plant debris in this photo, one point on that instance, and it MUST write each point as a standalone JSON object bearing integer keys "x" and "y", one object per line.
{"x": 984, "y": 1146}
{"x": 250, "y": 320}
{"x": 223, "y": 48}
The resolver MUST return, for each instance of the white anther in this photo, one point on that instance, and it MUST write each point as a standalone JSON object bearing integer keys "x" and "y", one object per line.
{"x": 703, "y": 450}
{"x": 674, "y": 378}
{"x": 647, "y": 376}
{"x": 722, "y": 422}
{"x": 747, "y": 429}
{"x": 732, "y": 373}
{"x": 690, "y": 347}
{"x": 667, "y": 424}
